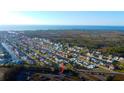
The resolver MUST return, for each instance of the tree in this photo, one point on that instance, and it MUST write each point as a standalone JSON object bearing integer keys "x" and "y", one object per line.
{"x": 69, "y": 66}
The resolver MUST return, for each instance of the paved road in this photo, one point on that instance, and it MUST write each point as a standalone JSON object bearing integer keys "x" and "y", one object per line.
{"x": 91, "y": 71}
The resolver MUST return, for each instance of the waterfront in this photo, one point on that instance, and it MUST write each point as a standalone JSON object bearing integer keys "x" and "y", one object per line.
{"x": 59, "y": 27}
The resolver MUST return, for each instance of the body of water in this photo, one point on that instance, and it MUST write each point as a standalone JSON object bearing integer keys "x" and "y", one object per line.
{"x": 58, "y": 27}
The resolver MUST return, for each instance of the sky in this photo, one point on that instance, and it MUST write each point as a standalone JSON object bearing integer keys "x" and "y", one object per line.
{"x": 62, "y": 18}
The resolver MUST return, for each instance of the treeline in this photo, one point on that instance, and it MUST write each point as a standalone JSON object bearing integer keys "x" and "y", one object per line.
{"x": 117, "y": 50}
{"x": 109, "y": 42}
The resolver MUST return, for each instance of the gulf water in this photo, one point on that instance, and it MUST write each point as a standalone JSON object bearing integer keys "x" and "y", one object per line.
{"x": 58, "y": 27}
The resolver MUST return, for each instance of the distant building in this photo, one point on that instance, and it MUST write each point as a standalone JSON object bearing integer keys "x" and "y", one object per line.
{"x": 100, "y": 56}
{"x": 111, "y": 67}
{"x": 88, "y": 54}
{"x": 121, "y": 59}
{"x": 91, "y": 66}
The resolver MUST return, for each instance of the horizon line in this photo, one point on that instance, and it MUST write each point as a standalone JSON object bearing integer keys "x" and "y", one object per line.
{"x": 54, "y": 25}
